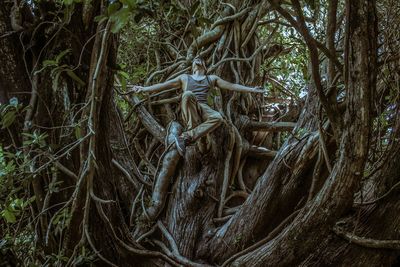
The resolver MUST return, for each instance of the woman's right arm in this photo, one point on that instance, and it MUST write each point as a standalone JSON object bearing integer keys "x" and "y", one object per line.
{"x": 176, "y": 82}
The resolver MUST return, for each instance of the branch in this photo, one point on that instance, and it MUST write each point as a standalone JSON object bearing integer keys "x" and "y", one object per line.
{"x": 254, "y": 25}
{"x": 203, "y": 40}
{"x": 178, "y": 258}
{"x": 168, "y": 236}
{"x": 367, "y": 242}
{"x": 148, "y": 121}
{"x": 226, "y": 180}
{"x": 128, "y": 176}
{"x": 330, "y": 41}
{"x": 395, "y": 186}
{"x": 141, "y": 252}
{"x": 261, "y": 152}
{"x": 142, "y": 155}
{"x": 283, "y": 88}
{"x": 323, "y": 147}
{"x": 231, "y": 18}
{"x": 89, "y": 239}
{"x": 313, "y": 45}
{"x": 222, "y": 219}
{"x": 165, "y": 70}
{"x": 175, "y": 252}
{"x": 65, "y": 170}
{"x": 266, "y": 126}
{"x": 171, "y": 100}
{"x": 213, "y": 67}
{"x": 300, "y": 29}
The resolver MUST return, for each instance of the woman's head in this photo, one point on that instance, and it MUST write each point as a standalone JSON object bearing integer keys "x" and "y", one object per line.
{"x": 198, "y": 64}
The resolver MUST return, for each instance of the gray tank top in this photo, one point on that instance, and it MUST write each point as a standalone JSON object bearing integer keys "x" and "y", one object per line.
{"x": 199, "y": 88}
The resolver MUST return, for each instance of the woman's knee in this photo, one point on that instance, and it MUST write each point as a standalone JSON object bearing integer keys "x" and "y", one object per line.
{"x": 216, "y": 118}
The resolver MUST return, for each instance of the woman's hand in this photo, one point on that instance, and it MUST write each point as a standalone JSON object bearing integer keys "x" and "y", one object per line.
{"x": 138, "y": 89}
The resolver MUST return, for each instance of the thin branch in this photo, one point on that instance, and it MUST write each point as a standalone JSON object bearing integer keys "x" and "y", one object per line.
{"x": 168, "y": 236}
{"x": 213, "y": 67}
{"x": 203, "y": 40}
{"x": 146, "y": 234}
{"x": 148, "y": 121}
{"x": 241, "y": 183}
{"x": 323, "y": 147}
{"x": 231, "y": 18}
{"x": 367, "y": 242}
{"x": 394, "y": 187}
{"x": 315, "y": 175}
{"x": 65, "y": 170}
{"x": 222, "y": 219}
{"x": 226, "y": 181}
{"x": 179, "y": 258}
{"x": 266, "y": 126}
{"x": 254, "y": 26}
{"x": 165, "y": 70}
{"x": 256, "y": 151}
{"x": 171, "y": 100}
{"x": 242, "y": 194}
{"x": 133, "y": 209}
{"x": 95, "y": 250}
{"x": 73, "y": 146}
{"x": 142, "y": 252}
{"x": 142, "y": 155}
{"x": 283, "y": 89}
{"x": 312, "y": 44}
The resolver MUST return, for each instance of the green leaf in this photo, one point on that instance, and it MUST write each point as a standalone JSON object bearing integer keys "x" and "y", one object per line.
{"x": 75, "y": 77}
{"x": 210, "y": 100}
{"x": 8, "y": 119}
{"x": 119, "y": 19}
{"x": 78, "y": 132}
{"x": 68, "y": 2}
{"x": 100, "y": 18}
{"x": 9, "y": 215}
{"x": 130, "y": 3}
{"x": 311, "y": 4}
{"x": 123, "y": 83}
{"x": 47, "y": 63}
{"x": 113, "y": 8}
{"x": 124, "y": 74}
{"x": 62, "y": 54}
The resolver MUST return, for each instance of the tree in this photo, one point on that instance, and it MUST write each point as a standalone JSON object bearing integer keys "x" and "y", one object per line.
{"x": 81, "y": 157}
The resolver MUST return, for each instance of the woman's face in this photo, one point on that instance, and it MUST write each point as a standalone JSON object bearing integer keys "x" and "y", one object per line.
{"x": 197, "y": 62}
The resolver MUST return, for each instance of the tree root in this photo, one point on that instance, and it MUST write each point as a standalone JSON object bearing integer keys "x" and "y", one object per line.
{"x": 263, "y": 241}
{"x": 367, "y": 242}
{"x": 128, "y": 176}
{"x": 394, "y": 187}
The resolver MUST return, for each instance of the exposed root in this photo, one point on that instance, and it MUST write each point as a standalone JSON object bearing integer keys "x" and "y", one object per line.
{"x": 367, "y": 242}
{"x": 263, "y": 241}
{"x": 226, "y": 180}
